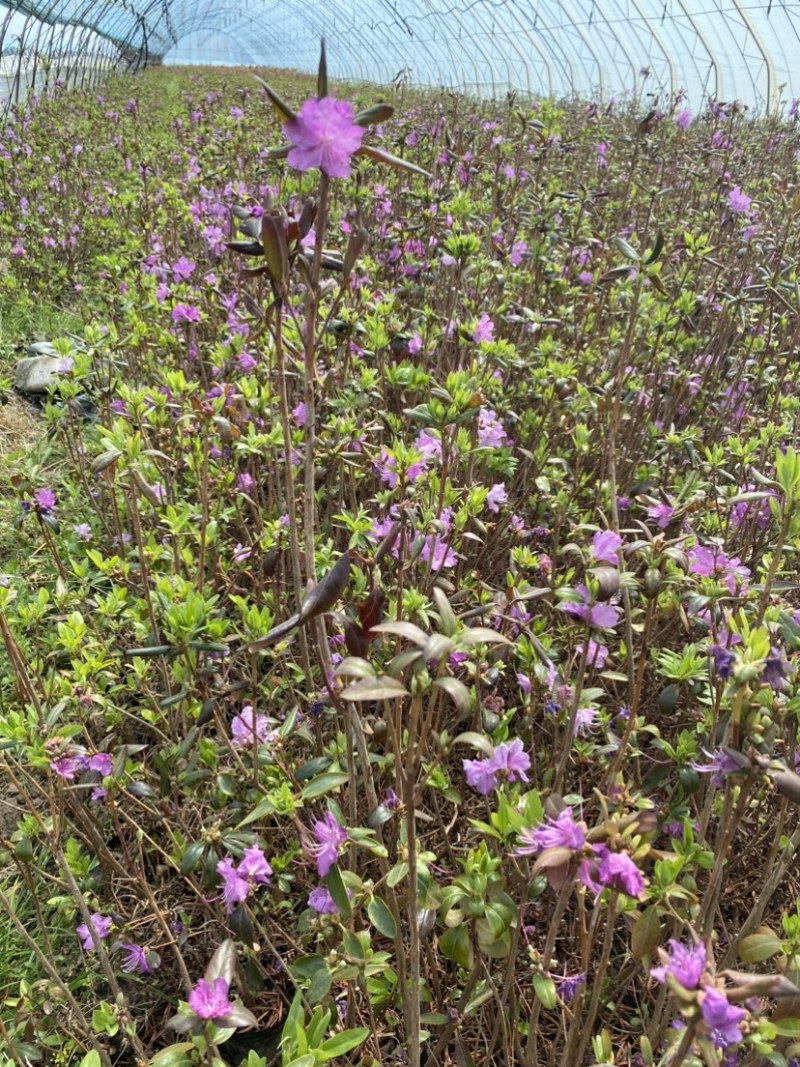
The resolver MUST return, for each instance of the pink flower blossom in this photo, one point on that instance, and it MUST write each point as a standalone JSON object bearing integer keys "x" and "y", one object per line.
{"x": 329, "y": 838}
{"x": 210, "y": 1002}
{"x": 496, "y": 496}
{"x": 101, "y": 924}
{"x": 605, "y": 547}
{"x": 560, "y": 832}
{"x": 738, "y": 202}
{"x": 508, "y": 763}
{"x": 323, "y": 135}
{"x": 484, "y": 330}
{"x": 135, "y": 961}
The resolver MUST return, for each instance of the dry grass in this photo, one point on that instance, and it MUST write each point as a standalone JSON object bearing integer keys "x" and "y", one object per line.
{"x": 20, "y": 425}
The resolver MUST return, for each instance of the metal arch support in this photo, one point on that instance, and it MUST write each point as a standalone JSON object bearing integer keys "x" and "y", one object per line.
{"x": 656, "y": 36}
{"x": 620, "y": 44}
{"x": 769, "y": 63}
{"x": 577, "y": 27}
{"x": 718, "y": 86}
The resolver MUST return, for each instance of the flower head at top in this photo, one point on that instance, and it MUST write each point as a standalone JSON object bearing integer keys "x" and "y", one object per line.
{"x": 101, "y": 924}
{"x": 322, "y": 902}
{"x": 603, "y": 616}
{"x": 509, "y": 762}
{"x": 323, "y": 135}
{"x": 135, "y": 961}
{"x": 45, "y": 499}
{"x": 685, "y": 963}
{"x": 247, "y": 729}
{"x": 721, "y": 1018}
{"x": 237, "y": 882}
{"x": 560, "y": 832}
{"x": 739, "y": 202}
{"x": 605, "y": 547}
{"x": 209, "y": 1001}
{"x": 484, "y": 330}
{"x": 612, "y": 870}
{"x": 329, "y": 837}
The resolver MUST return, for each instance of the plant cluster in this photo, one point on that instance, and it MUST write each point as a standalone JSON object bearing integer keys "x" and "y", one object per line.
{"x": 400, "y": 610}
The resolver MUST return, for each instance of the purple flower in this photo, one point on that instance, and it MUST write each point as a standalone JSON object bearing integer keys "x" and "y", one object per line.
{"x": 101, "y": 924}
{"x": 185, "y": 313}
{"x": 662, "y": 513}
{"x": 235, "y": 886}
{"x": 683, "y": 120}
{"x": 605, "y": 547}
{"x": 299, "y": 414}
{"x": 567, "y": 985}
{"x": 323, "y": 135}
{"x": 724, "y": 660}
{"x": 100, "y": 762}
{"x": 613, "y": 870}
{"x": 721, "y": 1018}
{"x": 585, "y": 721}
{"x": 322, "y": 902}
{"x": 254, "y": 866}
{"x": 776, "y": 670}
{"x": 83, "y": 531}
{"x": 718, "y": 766}
{"x": 480, "y": 775}
{"x": 603, "y": 616}
{"x": 560, "y": 832}
{"x": 496, "y": 496}
{"x": 210, "y": 1002}
{"x": 66, "y": 767}
{"x": 738, "y": 202}
{"x": 245, "y": 730}
{"x": 182, "y": 269}
{"x": 685, "y": 963}
{"x": 135, "y": 961}
{"x": 330, "y": 837}
{"x": 518, "y": 250}
{"x": 596, "y": 654}
{"x": 490, "y": 430}
{"x": 484, "y": 330}
{"x": 45, "y": 499}
{"x": 509, "y": 762}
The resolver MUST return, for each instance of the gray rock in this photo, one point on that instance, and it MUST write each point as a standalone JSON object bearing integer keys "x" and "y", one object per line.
{"x": 41, "y": 348}
{"x": 35, "y": 374}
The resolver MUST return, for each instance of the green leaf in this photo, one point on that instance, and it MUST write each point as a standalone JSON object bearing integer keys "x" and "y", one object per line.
{"x": 396, "y": 874}
{"x": 381, "y": 918}
{"x": 626, "y": 249}
{"x": 344, "y": 1042}
{"x": 264, "y": 807}
{"x": 282, "y": 110}
{"x": 92, "y": 1059}
{"x": 456, "y": 945}
{"x": 788, "y": 1027}
{"x": 646, "y": 933}
{"x": 379, "y": 156}
{"x": 759, "y": 946}
{"x": 381, "y": 688}
{"x": 337, "y": 890}
{"x": 191, "y": 857}
{"x": 545, "y": 990}
{"x": 371, "y": 116}
{"x": 322, "y": 72}
{"x": 479, "y": 741}
{"x": 172, "y": 1056}
{"x": 456, "y": 690}
{"x": 326, "y": 783}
